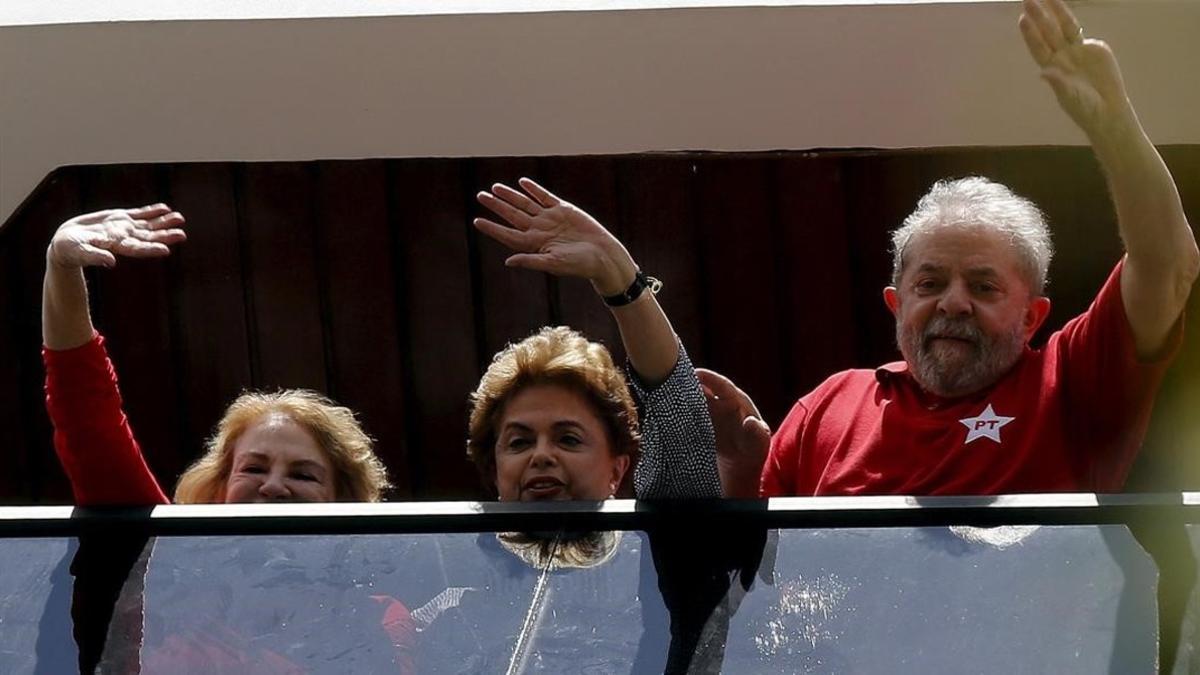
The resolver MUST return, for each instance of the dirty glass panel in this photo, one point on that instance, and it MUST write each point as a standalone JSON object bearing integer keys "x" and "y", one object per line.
{"x": 997, "y": 600}
{"x": 1001, "y": 600}
{"x": 895, "y": 600}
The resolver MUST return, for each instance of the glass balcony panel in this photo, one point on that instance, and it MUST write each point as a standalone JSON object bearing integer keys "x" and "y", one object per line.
{"x": 1063, "y": 599}
{"x": 35, "y": 606}
{"x": 1075, "y": 599}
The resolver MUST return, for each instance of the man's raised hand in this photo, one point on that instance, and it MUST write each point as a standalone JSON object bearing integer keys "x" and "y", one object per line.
{"x": 1082, "y": 72}
{"x": 96, "y": 239}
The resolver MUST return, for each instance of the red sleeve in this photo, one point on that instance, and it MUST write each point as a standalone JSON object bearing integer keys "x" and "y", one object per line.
{"x": 398, "y": 623}
{"x": 783, "y": 461}
{"x": 91, "y": 433}
{"x": 1110, "y": 391}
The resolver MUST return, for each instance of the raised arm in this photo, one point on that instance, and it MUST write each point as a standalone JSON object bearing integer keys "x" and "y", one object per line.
{"x": 96, "y": 239}
{"x": 1162, "y": 260}
{"x": 92, "y": 436}
{"x": 554, "y": 236}
{"x": 679, "y": 456}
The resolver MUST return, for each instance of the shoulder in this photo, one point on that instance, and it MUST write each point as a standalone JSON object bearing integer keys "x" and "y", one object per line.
{"x": 840, "y": 387}
{"x": 851, "y": 381}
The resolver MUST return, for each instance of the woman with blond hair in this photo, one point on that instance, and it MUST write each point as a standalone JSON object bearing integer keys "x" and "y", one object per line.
{"x": 290, "y": 445}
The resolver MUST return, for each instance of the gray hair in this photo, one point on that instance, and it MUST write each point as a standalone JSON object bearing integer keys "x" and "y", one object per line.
{"x": 977, "y": 201}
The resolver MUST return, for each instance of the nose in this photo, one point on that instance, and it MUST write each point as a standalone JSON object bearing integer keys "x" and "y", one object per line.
{"x": 274, "y": 488}
{"x": 955, "y": 301}
{"x": 544, "y": 454}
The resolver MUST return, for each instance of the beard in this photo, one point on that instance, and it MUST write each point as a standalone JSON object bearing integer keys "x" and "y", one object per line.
{"x": 953, "y": 357}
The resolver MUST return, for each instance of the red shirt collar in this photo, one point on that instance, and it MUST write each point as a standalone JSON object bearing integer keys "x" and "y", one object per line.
{"x": 889, "y": 371}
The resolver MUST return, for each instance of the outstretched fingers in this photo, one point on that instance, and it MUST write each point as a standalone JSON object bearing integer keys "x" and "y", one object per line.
{"x": 148, "y": 231}
{"x": 1072, "y": 32}
{"x": 543, "y": 196}
{"x": 512, "y": 238}
{"x": 1041, "y": 53}
{"x": 149, "y": 211}
{"x": 538, "y": 262}
{"x": 516, "y": 199}
{"x": 513, "y": 215}
{"x": 134, "y": 247}
{"x": 1046, "y": 23}
{"x": 168, "y": 220}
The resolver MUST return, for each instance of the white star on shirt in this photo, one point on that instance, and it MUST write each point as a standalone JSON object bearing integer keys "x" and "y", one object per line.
{"x": 986, "y": 425}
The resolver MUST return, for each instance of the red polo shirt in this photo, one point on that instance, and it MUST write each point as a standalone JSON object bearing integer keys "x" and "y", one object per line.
{"x": 1069, "y": 417}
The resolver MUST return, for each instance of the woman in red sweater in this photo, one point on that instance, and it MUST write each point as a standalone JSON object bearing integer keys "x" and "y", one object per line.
{"x": 291, "y": 445}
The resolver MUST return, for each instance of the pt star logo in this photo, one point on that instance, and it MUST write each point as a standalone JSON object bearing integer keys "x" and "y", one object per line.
{"x": 986, "y": 425}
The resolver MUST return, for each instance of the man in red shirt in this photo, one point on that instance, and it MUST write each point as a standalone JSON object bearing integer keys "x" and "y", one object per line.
{"x": 973, "y": 409}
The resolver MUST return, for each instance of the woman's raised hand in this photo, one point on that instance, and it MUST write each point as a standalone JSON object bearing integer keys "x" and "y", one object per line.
{"x": 96, "y": 239}
{"x": 554, "y": 236}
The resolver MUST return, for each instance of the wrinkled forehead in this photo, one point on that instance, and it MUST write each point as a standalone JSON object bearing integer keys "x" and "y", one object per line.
{"x": 278, "y": 437}
{"x": 962, "y": 248}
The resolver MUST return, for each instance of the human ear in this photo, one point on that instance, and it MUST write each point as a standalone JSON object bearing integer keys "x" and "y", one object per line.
{"x": 891, "y": 298}
{"x": 1035, "y": 315}
{"x": 620, "y": 466}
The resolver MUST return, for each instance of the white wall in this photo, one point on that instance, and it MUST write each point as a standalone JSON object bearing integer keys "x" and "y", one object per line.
{"x": 562, "y": 83}
{"x": 31, "y": 12}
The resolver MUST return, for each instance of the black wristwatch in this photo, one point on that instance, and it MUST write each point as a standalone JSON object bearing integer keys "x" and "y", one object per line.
{"x": 640, "y": 283}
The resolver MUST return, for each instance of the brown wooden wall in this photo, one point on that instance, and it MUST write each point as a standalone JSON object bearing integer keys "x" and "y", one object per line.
{"x": 364, "y": 279}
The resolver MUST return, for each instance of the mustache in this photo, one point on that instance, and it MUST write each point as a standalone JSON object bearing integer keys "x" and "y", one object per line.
{"x": 944, "y": 327}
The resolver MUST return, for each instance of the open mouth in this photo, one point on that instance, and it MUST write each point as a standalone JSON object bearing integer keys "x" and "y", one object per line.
{"x": 544, "y": 487}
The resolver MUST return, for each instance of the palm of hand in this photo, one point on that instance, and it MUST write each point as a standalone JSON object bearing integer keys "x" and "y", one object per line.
{"x": 73, "y": 242}
{"x": 97, "y": 238}
{"x": 568, "y": 239}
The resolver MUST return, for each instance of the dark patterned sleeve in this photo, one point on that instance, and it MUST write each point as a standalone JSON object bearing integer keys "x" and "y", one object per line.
{"x": 679, "y": 447}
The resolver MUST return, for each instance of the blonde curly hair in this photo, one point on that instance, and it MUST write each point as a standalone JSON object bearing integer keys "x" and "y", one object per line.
{"x": 360, "y": 475}
{"x": 560, "y": 356}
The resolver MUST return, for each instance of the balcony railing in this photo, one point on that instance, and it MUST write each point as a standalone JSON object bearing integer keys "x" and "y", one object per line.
{"x": 1030, "y": 583}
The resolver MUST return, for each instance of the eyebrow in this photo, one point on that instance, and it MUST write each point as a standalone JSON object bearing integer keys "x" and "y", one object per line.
{"x": 981, "y": 271}
{"x": 298, "y": 464}
{"x": 557, "y": 425}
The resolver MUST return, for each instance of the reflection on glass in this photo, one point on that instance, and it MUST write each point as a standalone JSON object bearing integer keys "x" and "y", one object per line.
{"x": 558, "y": 550}
{"x": 1048, "y": 599}
{"x": 107, "y": 601}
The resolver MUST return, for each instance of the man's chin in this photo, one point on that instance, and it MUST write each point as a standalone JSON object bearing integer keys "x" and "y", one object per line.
{"x": 941, "y": 381}
{"x": 952, "y": 352}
